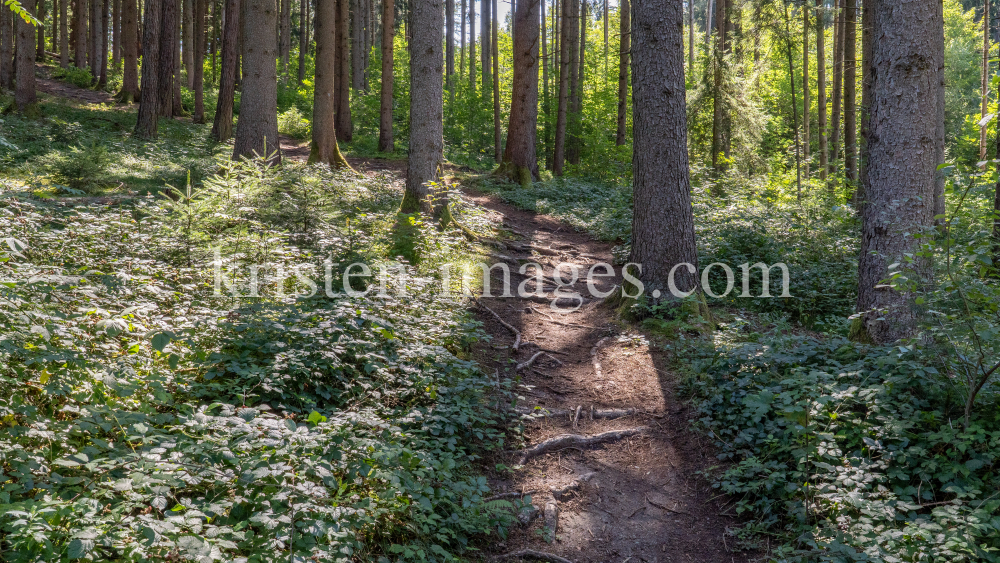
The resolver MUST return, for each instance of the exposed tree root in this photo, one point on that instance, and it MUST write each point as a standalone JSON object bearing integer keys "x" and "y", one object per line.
{"x": 595, "y": 414}
{"x": 513, "y": 494}
{"x": 563, "y": 493}
{"x": 517, "y": 333}
{"x": 596, "y": 359}
{"x": 531, "y": 360}
{"x": 536, "y": 555}
{"x": 575, "y": 441}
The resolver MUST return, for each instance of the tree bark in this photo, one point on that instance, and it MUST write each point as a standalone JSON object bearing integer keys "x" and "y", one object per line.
{"x": 486, "y": 43}
{"x": 7, "y": 35}
{"x": 385, "y": 138}
{"x": 565, "y": 64}
{"x": 719, "y": 132}
{"x": 850, "y": 96}
{"x": 25, "y": 97}
{"x": 690, "y": 37}
{"x": 95, "y": 40}
{"x": 345, "y": 128}
{"x": 324, "y": 147}
{"x": 116, "y": 33}
{"x": 821, "y": 90}
{"x": 520, "y": 162}
{"x": 146, "y": 122}
{"x": 838, "y": 89}
{"x": 187, "y": 38}
{"x": 546, "y": 107}
{"x": 303, "y": 39}
{"x": 623, "y": 58}
{"x": 426, "y": 110}
{"x": 805, "y": 91}
{"x": 286, "y": 37}
{"x": 40, "y": 31}
{"x": 663, "y": 222}
{"x": 496, "y": 87}
{"x": 449, "y": 25}
{"x": 165, "y": 66}
{"x": 80, "y": 18}
{"x": 985, "y": 85}
{"x": 64, "y": 34}
{"x": 257, "y": 129}
{"x": 102, "y": 82}
{"x": 357, "y": 47}
{"x": 461, "y": 39}
{"x": 574, "y": 132}
{"x": 198, "y": 59}
{"x": 222, "y": 127}
{"x": 907, "y": 54}
{"x": 130, "y": 53}
{"x": 472, "y": 46}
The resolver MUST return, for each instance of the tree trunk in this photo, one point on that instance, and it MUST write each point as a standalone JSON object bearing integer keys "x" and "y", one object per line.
{"x": 690, "y": 37}
{"x": 146, "y": 122}
{"x": 102, "y": 82}
{"x": 623, "y": 57}
{"x": 565, "y": 69}
{"x": 80, "y": 18}
{"x": 222, "y": 127}
{"x": 357, "y": 47}
{"x": 64, "y": 34}
{"x": 838, "y": 87}
{"x": 257, "y": 128}
{"x": 461, "y": 38}
{"x": 472, "y": 46}
{"x": 116, "y": 33}
{"x": 546, "y": 108}
{"x": 850, "y": 96}
{"x": 198, "y": 59}
{"x": 709, "y": 12}
{"x": 426, "y": 109}
{"x": 866, "y": 102}
{"x": 25, "y": 98}
{"x": 573, "y": 37}
{"x": 795, "y": 109}
{"x": 663, "y": 222}
{"x": 520, "y": 162}
{"x": 805, "y": 91}
{"x": 496, "y": 87}
{"x": 189, "y": 40}
{"x": 486, "y": 43}
{"x": 324, "y": 147}
{"x": 7, "y": 34}
{"x": 574, "y": 132}
{"x": 130, "y": 53}
{"x": 938, "y": 46}
{"x": 40, "y": 31}
{"x": 286, "y": 37}
{"x": 907, "y": 54}
{"x": 385, "y": 139}
{"x": 449, "y": 25}
{"x": 303, "y": 39}
{"x": 821, "y": 89}
{"x": 168, "y": 22}
{"x": 95, "y": 40}
{"x": 984, "y": 88}
{"x": 345, "y": 129}
{"x": 719, "y": 132}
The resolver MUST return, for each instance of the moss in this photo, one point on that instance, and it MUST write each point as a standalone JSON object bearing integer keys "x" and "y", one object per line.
{"x": 859, "y": 332}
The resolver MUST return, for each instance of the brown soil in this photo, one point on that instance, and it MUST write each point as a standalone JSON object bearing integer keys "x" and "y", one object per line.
{"x": 644, "y": 499}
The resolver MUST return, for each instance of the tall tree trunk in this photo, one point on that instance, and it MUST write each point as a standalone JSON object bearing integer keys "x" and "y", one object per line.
{"x": 385, "y": 139}
{"x": 709, "y": 13}
{"x": 54, "y": 34}
{"x": 901, "y": 169}
{"x": 40, "y": 31}
{"x": 719, "y": 132}
{"x": 520, "y": 163}
{"x": 25, "y": 98}
{"x": 461, "y": 38}
{"x": 690, "y": 37}
{"x": 257, "y": 128}
{"x": 63, "y": 34}
{"x": 102, "y": 82}
{"x": 130, "y": 52}
{"x": 303, "y": 39}
{"x": 546, "y": 108}
{"x": 795, "y": 109}
{"x": 198, "y": 59}
{"x": 96, "y": 38}
{"x": 426, "y": 109}
{"x": 449, "y": 26}
{"x": 663, "y": 222}
{"x": 116, "y": 33}
{"x": 984, "y": 88}
{"x": 805, "y": 91}
{"x": 168, "y": 22}
{"x": 80, "y": 18}
{"x": 866, "y": 102}
{"x": 357, "y": 70}
{"x": 938, "y": 47}
{"x": 496, "y": 86}
{"x": 623, "y": 57}
{"x": 187, "y": 38}
{"x": 222, "y": 127}
{"x": 573, "y": 38}
{"x": 286, "y": 36}
{"x": 821, "y": 89}
{"x": 7, "y": 35}
{"x": 838, "y": 87}
{"x": 850, "y": 96}
{"x": 486, "y": 44}
{"x": 565, "y": 67}
{"x": 472, "y": 45}
{"x": 345, "y": 128}
{"x": 324, "y": 147}
{"x": 574, "y": 133}
{"x": 146, "y": 122}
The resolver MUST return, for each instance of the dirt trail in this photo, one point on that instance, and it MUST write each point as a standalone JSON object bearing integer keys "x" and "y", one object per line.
{"x": 627, "y": 500}
{"x": 634, "y": 499}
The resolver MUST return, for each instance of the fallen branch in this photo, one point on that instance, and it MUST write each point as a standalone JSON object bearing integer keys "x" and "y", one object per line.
{"x": 513, "y": 494}
{"x": 517, "y": 333}
{"x": 531, "y": 360}
{"x": 536, "y": 555}
{"x": 575, "y": 441}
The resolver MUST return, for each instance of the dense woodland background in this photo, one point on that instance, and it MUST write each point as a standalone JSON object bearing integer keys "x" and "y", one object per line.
{"x": 144, "y": 417}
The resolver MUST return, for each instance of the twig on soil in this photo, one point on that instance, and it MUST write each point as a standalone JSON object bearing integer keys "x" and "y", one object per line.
{"x": 536, "y": 555}
{"x": 575, "y": 440}
{"x": 576, "y": 417}
{"x": 531, "y": 360}
{"x": 513, "y": 494}
{"x": 517, "y": 333}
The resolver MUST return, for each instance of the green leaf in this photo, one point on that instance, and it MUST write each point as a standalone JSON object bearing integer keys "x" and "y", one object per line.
{"x": 80, "y": 547}
{"x": 160, "y": 340}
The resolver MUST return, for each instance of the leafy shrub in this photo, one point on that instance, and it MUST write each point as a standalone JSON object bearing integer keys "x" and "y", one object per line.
{"x": 80, "y": 168}
{"x": 77, "y": 76}
{"x": 850, "y": 454}
{"x": 293, "y": 124}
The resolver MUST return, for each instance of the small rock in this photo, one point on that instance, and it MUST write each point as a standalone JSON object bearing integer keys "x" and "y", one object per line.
{"x": 552, "y": 520}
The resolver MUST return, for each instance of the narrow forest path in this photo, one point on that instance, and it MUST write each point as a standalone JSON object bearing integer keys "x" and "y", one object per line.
{"x": 637, "y": 496}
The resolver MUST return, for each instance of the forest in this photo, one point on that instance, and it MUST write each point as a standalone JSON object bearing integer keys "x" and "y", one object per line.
{"x": 572, "y": 281}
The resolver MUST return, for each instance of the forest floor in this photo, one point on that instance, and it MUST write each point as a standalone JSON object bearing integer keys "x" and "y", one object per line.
{"x": 635, "y": 498}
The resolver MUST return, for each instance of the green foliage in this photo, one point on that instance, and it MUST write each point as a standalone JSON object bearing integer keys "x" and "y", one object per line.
{"x": 293, "y": 124}
{"x": 147, "y": 416}
{"x": 82, "y": 169}
{"x": 76, "y": 76}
